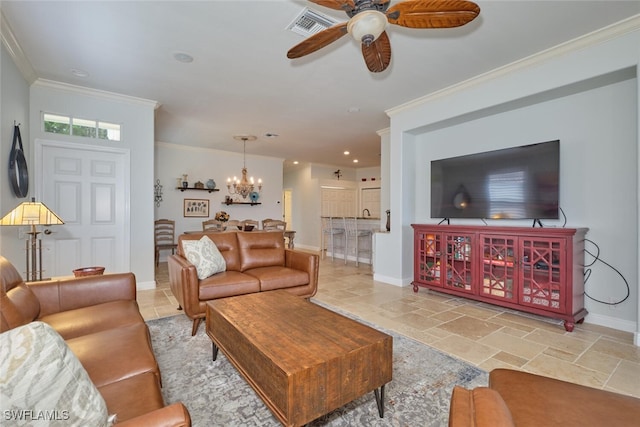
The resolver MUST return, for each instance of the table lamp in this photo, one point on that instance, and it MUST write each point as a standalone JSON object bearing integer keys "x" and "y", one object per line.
{"x": 32, "y": 213}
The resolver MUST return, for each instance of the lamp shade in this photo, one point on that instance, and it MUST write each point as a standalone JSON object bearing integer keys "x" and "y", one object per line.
{"x": 31, "y": 213}
{"x": 366, "y": 26}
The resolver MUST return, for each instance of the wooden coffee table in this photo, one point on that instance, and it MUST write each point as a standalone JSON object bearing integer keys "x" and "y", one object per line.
{"x": 303, "y": 360}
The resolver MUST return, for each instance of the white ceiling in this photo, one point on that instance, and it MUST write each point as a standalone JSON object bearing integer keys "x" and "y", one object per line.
{"x": 241, "y": 81}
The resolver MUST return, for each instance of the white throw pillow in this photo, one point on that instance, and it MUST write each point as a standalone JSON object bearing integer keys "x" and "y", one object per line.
{"x": 42, "y": 383}
{"x": 204, "y": 254}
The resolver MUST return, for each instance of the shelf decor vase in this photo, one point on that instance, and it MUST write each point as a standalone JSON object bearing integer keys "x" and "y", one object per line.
{"x": 388, "y": 220}
{"x": 211, "y": 184}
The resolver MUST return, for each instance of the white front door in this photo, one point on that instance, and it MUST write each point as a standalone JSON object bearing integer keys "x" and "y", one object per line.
{"x": 88, "y": 188}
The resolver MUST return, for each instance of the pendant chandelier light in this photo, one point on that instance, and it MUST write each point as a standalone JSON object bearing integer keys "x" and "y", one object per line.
{"x": 244, "y": 186}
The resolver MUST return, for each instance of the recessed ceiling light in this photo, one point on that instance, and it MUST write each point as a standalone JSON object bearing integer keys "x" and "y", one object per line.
{"x": 295, "y": 162}
{"x": 346, "y": 153}
{"x": 183, "y": 57}
{"x": 79, "y": 73}
{"x": 355, "y": 160}
{"x": 353, "y": 110}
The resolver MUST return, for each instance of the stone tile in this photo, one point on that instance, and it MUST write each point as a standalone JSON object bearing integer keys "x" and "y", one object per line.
{"x": 470, "y": 327}
{"x": 516, "y": 346}
{"x": 475, "y": 311}
{"x": 510, "y": 359}
{"x": 446, "y": 316}
{"x": 465, "y": 349}
{"x": 598, "y": 361}
{"x": 417, "y": 321}
{"x": 563, "y": 342}
{"x": 617, "y": 349}
{"x": 551, "y": 367}
{"x": 493, "y": 363}
{"x": 626, "y": 378}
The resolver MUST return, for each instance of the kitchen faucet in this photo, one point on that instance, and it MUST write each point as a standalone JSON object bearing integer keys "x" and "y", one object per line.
{"x": 368, "y": 213}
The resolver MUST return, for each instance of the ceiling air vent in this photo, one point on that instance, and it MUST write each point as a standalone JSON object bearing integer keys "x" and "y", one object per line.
{"x": 310, "y": 22}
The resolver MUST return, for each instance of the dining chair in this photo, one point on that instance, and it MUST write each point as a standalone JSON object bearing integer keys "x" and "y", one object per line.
{"x": 233, "y": 224}
{"x": 212, "y": 225}
{"x": 273, "y": 224}
{"x": 250, "y": 224}
{"x": 164, "y": 237}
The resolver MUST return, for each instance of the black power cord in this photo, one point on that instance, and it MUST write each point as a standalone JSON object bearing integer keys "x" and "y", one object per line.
{"x": 587, "y": 274}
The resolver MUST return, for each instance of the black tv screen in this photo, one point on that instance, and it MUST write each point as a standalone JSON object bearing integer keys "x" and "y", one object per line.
{"x": 513, "y": 183}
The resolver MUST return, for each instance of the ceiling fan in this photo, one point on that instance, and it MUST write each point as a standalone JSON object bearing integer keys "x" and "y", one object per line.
{"x": 370, "y": 18}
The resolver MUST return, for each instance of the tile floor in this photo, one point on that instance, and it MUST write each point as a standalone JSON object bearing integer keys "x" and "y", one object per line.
{"x": 481, "y": 334}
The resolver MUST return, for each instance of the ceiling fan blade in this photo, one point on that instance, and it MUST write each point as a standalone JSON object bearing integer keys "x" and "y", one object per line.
{"x": 318, "y": 41}
{"x": 433, "y": 13}
{"x": 345, "y": 5}
{"x": 377, "y": 55}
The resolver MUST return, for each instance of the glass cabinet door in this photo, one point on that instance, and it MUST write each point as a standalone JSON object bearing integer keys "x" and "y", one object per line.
{"x": 542, "y": 273}
{"x": 499, "y": 266}
{"x": 429, "y": 258}
{"x": 456, "y": 266}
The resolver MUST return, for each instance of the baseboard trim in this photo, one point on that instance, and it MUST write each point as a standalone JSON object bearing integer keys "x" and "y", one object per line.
{"x": 612, "y": 322}
{"x": 145, "y": 286}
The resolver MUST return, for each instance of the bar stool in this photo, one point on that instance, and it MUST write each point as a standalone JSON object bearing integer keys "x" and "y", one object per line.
{"x": 330, "y": 230}
{"x": 355, "y": 233}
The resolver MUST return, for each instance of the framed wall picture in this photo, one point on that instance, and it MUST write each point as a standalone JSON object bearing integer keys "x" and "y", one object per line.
{"x": 196, "y": 208}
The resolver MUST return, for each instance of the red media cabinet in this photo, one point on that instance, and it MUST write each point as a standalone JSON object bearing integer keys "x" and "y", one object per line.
{"x": 536, "y": 270}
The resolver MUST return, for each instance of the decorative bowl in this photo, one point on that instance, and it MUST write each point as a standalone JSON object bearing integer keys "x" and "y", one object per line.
{"x": 246, "y": 227}
{"x": 88, "y": 271}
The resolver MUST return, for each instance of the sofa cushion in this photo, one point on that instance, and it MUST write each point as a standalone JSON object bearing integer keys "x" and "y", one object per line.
{"x": 205, "y": 256}
{"x": 96, "y": 318}
{"x": 133, "y": 396}
{"x": 480, "y": 407}
{"x": 116, "y": 354}
{"x": 40, "y": 374}
{"x": 261, "y": 249}
{"x": 227, "y": 284}
{"x": 278, "y": 277}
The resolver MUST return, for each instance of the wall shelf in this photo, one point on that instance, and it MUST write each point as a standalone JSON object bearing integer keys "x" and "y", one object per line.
{"x": 242, "y": 203}
{"x": 199, "y": 189}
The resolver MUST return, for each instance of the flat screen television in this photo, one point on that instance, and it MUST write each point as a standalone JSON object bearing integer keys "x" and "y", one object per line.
{"x": 512, "y": 183}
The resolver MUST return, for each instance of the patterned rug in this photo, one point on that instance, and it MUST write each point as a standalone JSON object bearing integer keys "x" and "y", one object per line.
{"x": 217, "y": 395}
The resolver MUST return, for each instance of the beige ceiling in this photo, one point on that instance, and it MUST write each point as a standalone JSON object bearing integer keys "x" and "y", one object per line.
{"x": 241, "y": 82}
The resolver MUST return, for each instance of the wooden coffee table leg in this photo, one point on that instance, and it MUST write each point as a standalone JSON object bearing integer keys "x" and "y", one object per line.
{"x": 380, "y": 400}
{"x": 214, "y": 347}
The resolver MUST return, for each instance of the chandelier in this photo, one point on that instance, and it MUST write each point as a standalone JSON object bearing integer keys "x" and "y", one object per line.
{"x": 244, "y": 186}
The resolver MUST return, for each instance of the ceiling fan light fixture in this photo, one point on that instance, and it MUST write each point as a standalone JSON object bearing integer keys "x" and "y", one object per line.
{"x": 366, "y": 26}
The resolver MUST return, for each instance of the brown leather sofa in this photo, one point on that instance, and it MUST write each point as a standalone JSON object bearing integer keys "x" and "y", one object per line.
{"x": 256, "y": 261}
{"x": 521, "y": 399}
{"x": 99, "y": 319}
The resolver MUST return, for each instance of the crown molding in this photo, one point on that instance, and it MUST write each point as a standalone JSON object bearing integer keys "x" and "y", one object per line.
{"x": 590, "y": 39}
{"x": 96, "y": 93}
{"x": 17, "y": 54}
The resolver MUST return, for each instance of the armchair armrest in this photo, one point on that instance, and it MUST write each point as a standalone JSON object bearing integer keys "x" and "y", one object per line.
{"x": 175, "y": 415}
{"x": 67, "y": 294}
{"x": 184, "y": 283}
{"x": 304, "y": 261}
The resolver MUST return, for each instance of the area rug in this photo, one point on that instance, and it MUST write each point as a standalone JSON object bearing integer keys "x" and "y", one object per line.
{"x": 217, "y": 395}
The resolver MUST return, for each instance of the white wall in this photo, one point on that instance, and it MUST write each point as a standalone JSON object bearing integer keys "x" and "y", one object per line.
{"x": 200, "y": 164}
{"x": 137, "y": 119}
{"x": 587, "y": 98}
{"x": 14, "y": 106}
